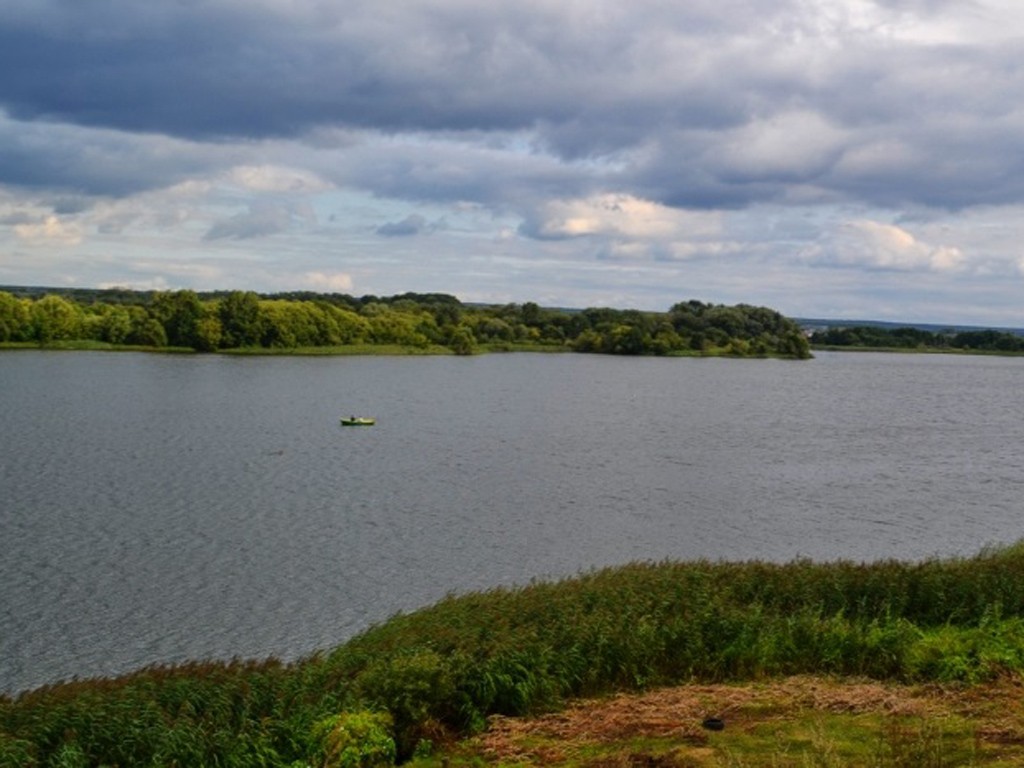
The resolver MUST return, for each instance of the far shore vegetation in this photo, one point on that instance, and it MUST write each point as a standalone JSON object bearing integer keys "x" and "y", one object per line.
{"x": 910, "y": 339}
{"x": 243, "y": 322}
{"x": 887, "y": 663}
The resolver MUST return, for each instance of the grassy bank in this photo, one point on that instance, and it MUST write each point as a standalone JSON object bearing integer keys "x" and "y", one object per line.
{"x": 86, "y": 345}
{"x": 437, "y": 674}
{"x": 336, "y": 351}
{"x": 353, "y": 350}
{"x": 339, "y": 350}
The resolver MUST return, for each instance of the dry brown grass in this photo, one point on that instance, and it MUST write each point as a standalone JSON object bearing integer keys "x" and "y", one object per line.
{"x": 673, "y": 717}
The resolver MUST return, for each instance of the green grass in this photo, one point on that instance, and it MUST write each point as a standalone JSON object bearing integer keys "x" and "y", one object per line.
{"x": 339, "y": 350}
{"x": 88, "y": 345}
{"x": 844, "y": 740}
{"x": 440, "y": 672}
{"x": 512, "y": 346}
{"x": 352, "y": 350}
{"x": 334, "y": 351}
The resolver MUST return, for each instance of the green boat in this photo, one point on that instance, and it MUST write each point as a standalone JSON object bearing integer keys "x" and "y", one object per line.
{"x": 358, "y": 421}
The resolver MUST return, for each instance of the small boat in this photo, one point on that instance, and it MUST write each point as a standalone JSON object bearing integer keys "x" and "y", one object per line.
{"x": 358, "y": 421}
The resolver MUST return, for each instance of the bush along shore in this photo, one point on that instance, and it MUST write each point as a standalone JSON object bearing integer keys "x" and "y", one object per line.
{"x": 310, "y": 323}
{"x": 421, "y": 680}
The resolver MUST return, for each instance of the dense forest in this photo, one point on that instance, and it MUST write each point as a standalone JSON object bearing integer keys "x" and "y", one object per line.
{"x": 877, "y": 337}
{"x": 244, "y": 320}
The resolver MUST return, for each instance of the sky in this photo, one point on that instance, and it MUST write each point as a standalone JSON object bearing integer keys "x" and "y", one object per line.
{"x": 859, "y": 159}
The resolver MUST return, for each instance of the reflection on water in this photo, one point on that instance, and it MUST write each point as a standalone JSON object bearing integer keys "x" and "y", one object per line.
{"x": 158, "y": 508}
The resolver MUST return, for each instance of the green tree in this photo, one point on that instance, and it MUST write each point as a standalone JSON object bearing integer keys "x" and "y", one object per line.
{"x": 179, "y": 312}
{"x": 794, "y": 344}
{"x": 207, "y": 334}
{"x": 666, "y": 340}
{"x": 55, "y": 318}
{"x": 462, "y": 341}
{"x": 351, "y": 328}
{"x": 147, "y": 331}
{"x": 240, "y": 319}
{"x": 15, "y": 318}
{"x": 531, "y": 314}
{"x": 495, "y": 329}
{"x": 587, "y": 341}
{"x": 688, "y": 317}
{"x": 115, "y": 324}
{"x": 626, "y": 339}
{"x": 388, "y": 326}
{"x": 326, "y": 332}
{"x": 288, "y": 324}
{"x": 728, "y": 320}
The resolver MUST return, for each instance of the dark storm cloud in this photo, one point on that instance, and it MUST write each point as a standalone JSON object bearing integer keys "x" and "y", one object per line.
{"x": 250, "y": 69}
{"x": 278, "y": 69}
{"x": 63, "y": 158}
{"x": 699, "y": 104}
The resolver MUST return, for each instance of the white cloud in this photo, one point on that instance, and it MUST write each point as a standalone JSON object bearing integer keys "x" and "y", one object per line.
{"x": 271, "y": 178}
{"x": 624, "y": 215}
{"x": 622, "y": 227}
{"x": 875, "y": 245}
{"x": 50, "y": 231}
{"x": 957, "y": 22}
{"x": 335, "y": 282}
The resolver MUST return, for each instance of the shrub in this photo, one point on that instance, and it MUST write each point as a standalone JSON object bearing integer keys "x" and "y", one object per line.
{"x": 417, "y": 688}
{"x": 353, "y": 740}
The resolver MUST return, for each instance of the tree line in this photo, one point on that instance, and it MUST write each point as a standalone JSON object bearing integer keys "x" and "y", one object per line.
{"x": 208, "y": 322}
{"x": 868, "y": 336}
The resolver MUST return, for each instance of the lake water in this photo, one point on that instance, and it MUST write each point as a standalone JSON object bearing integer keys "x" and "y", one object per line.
{"x": 156, "y": 508}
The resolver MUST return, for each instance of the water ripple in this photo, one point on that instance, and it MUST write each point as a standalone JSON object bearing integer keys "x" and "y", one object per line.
{"x": 160, "y": 508}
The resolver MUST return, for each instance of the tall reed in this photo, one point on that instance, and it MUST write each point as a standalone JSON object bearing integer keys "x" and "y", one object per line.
{"x": 442, "y": 670}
